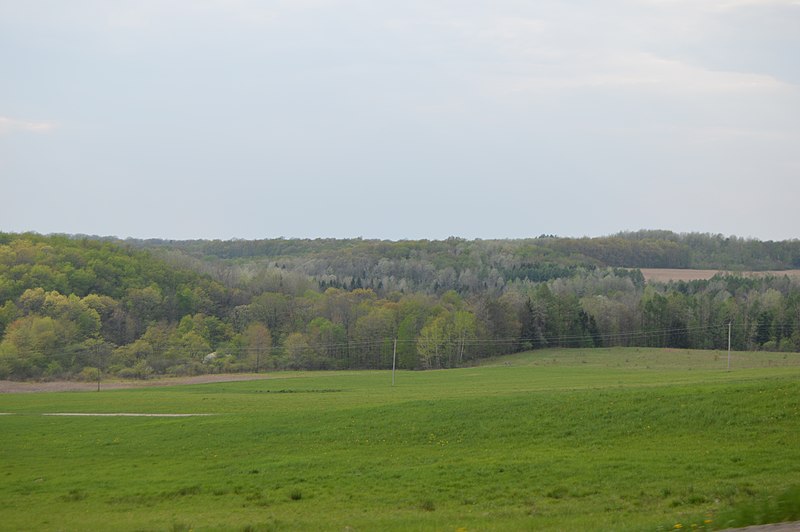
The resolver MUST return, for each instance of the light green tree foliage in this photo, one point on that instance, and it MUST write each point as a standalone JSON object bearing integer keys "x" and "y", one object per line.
{"x": 92, "y": 352}
{"x": 152, "y": 346}
{"x": 373, "y": 335}
{"x": 434, "y": 344}
{"x": 473, "y": 299}
{"x": 271, "y": 279}
{"x": 147, "y": 304}
{"x": 407, "y": 333}
{"x": 612, "y": 317}
{"x": 188, "y": 344}
{"x": 192, "y": 299}
{"x": 413, "y": 312}
{"x": 447, "y": 338}
{"x": 8, "y": 287}
{"x": 78, "y": 319}
{"x": 52, "y": 333}
{"x": 257, "y": 345}
{"x": 298, "y": 353}
{"x": 116, "y": 325}
{"x": 28, "y": 345}
{"x": 105, "y": 306}
{"x": 8, "y": 313}
{"x": 465, "y": 330}
{"x": 344, "y": 307}
{"x": 32, "y": 300}
{"x": 44, "y": 276}
{"x": 213, "y": 330}
{"x": 328, "y": 339}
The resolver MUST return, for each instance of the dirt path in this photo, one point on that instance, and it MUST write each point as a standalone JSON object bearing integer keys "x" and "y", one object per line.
{"x": 778, "y": 527}
{"x": 75, "y": 386}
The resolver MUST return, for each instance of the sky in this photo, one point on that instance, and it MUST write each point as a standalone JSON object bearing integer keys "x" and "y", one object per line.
{"x": 419, "y": 119}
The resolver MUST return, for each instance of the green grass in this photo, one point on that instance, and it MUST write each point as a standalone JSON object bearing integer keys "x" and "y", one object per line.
{"x": 612, "y": 439}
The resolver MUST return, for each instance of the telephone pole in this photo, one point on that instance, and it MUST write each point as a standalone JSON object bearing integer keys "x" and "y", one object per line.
{"x": 729, "y": 346}
{"x": 394, "y": 359}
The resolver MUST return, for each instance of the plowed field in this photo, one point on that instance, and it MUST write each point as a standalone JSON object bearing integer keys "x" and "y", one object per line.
{"x": 663, "y": 275}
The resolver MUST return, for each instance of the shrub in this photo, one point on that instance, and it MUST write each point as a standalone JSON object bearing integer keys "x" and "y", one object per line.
{"x": 53, "y": 370}
{"x": 770, "y": 345}
{"x": 787, "y": 345}
{"x": 126, "y": 373}
{"x": 142, "y": 369}
{"x": 186, "y": 370}
{"x": 89, "y": 374}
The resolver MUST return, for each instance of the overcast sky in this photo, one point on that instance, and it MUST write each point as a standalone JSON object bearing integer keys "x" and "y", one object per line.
{"x": 399, "y": 120}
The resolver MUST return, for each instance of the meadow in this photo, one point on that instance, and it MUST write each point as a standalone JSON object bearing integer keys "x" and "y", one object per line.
{"x": 601, "y": 439}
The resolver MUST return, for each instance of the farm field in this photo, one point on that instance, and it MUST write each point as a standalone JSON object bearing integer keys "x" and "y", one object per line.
{"x": 602, "y": 439}
{"x": 664, "y": 275}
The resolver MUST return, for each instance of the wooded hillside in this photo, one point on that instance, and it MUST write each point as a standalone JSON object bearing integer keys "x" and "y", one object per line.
{"x": 475, "y": 266}
{"x": 72, "y": 306}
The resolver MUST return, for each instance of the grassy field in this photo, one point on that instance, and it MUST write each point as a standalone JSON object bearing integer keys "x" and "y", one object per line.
{"x": 608, "y": 439}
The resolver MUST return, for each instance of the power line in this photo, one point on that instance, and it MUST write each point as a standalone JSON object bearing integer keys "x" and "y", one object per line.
{"x": 377, "y": 349}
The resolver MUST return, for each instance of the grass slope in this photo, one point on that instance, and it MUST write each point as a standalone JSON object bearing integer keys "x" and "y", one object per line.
{"x": 622, "y": 439}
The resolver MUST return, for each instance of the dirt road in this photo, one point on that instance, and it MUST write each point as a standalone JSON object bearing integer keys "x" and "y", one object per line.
{"x": 75, "y": 386}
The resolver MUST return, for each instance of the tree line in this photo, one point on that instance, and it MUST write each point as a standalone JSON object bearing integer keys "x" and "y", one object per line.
{"x": 73, "y": 306}
{"x": 470, "y": 267}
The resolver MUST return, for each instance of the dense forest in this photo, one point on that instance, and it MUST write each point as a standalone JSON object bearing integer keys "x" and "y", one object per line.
{"x": 77, "y": 307}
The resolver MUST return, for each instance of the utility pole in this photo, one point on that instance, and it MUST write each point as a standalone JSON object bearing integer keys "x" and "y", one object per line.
{"x": 729, "y": 346}
{"x": 99, "y": 371}
{"x": 394, "y": 359}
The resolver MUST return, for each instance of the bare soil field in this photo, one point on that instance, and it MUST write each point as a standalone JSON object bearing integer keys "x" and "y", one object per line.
{"x": 76, "y": 386}
{"x": 663, "y": 275}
